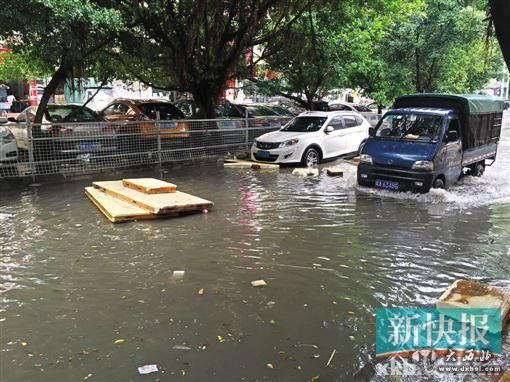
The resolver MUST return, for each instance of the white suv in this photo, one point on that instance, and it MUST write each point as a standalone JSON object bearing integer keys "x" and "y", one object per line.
{"x": 311, "y": 137}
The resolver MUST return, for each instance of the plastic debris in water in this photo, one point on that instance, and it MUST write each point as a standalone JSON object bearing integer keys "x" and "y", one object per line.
{"x": 180, "y": 347}
{"x": 258, "y": 283}
{"x": 177, "y": 275}
{"x": 147, "y": 369}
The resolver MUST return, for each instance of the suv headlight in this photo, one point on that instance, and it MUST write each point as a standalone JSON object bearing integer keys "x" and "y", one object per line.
{"x": 365, "y": 158}
{"x": 423, "y": 165}
{"x": 290, "y": 142}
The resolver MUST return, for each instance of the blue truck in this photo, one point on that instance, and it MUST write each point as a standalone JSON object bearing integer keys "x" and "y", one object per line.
{"x": 431, "y": 140}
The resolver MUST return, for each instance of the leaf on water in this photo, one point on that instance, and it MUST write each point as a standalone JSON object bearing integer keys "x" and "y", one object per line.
{"x": 119, "y": 341}
{"x": 351, "y": 312}
{"x": 272, "y": 322}
{"x": 347, "y": 298}
{"x": 201, "y": 291}
{"x": 220, "y": 339}
{"x": 24, "y": 344}
{"x": 270, "y": 366}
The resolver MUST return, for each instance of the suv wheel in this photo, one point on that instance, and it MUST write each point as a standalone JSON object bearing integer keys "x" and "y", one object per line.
{"x": 311, "y": 157}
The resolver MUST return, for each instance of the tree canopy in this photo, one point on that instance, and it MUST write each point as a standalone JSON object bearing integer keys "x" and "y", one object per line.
{"x": 385, "y": 47}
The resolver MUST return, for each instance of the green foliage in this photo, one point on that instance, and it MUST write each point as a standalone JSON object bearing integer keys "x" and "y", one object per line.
{"x": 196, "y": 46}
{"x": 19, "y": 66}
{"x": 330, "y": 44}
{"x": 442, "y": 49}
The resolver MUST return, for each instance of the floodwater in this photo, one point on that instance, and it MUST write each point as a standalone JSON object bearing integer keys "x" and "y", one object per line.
{"x": 331, "y": 253}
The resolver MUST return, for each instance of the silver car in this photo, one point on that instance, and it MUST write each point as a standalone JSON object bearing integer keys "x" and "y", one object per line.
{"x": 371, "y": 116}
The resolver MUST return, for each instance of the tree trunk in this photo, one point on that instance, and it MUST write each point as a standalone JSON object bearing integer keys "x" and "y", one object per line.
{"x": 205, "y": 95}
{"x": 49, "y": 90}
{"x": 379, "y": 108}
{"x": 500, "y": 13}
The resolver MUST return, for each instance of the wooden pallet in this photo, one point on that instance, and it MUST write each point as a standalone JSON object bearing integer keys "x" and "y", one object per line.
{"x": 238, "y": 163}
{"x": 154, "y": 203}
{"x": 116, "y": 210}
{"x": 149, "y": 185}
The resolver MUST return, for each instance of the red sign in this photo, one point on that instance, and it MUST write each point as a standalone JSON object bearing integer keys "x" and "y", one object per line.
{"x": 34, "y": 101}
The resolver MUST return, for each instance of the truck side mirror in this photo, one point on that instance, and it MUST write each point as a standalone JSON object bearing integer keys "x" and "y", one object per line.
{"x": 371, "y": 132}
{"x": 452, "y": 136}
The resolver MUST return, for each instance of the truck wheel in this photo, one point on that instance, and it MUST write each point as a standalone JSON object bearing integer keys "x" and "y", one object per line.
{"x": 478, "y": 169}
{"x": 438, "y": 183}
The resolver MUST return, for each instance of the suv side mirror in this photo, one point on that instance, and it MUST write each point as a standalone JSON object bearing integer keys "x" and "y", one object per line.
{"x": 329, "y": 129}
{"x": 452, "y": 136}
{"x": 371, "y": 132}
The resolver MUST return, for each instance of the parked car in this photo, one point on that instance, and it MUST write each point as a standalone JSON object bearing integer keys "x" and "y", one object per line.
{"x": 287, "y": 103}
{"x": 8, "y": 147}
{"x": 311, "y": 137}
{"x": 143, "y": 113}
{"x": 66, "y": 131}
{"x": 430, "y": 140}
{"x": 231, "y": 120}
{"x": 279, "y": 112}
{"x": 369, "y": 114}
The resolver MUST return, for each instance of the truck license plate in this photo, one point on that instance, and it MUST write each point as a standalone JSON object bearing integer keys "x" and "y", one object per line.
{"x": 386, "y": 184}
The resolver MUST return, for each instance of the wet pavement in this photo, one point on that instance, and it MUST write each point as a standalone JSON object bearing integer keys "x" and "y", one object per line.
{"x": 330, "y": 252}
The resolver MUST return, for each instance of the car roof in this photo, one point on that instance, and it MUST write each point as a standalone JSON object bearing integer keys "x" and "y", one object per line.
{"x": 326, "y": 113}
{"x": 141, "y": 101}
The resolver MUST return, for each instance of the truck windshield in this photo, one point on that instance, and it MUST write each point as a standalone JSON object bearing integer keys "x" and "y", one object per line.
{"x": 410, "y": 126}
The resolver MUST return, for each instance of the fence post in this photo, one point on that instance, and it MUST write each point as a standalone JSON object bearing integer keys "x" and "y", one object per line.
{"x": 158, "y": 126}
{"x": 30, "y": 146}
{"x": 247, "y": 137}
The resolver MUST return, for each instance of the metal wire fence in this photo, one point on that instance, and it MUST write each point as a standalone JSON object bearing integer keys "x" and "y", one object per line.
{"x": 69, "y": 148}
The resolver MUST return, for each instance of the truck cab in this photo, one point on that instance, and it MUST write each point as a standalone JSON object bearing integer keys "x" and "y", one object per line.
{"x": 429, "y": 141}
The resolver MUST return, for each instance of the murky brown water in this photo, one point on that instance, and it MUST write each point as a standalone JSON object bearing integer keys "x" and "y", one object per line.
{"x": 330, "y": 253}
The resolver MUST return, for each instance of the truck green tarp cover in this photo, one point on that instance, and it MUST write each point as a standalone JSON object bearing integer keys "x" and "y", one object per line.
{"x": 480, "y": 115}
{"x": 473, "y": 103}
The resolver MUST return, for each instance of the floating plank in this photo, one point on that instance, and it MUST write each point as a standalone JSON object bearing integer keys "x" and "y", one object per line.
{"x": 238, "y": 163}
{"x": 334, "y": 171}
{"x": 155, "y": 203}
{"x": 471, "y": 294}
{"x": 150, "y": 185}
{"x": 306, "y": 171}
{"x": 114, "y": 209}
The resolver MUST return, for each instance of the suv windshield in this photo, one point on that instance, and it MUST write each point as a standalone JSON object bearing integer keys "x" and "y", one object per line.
{"x": 305, "y": 124}
{"x": 70, "y": 114}
{"x": 410, "y": 126}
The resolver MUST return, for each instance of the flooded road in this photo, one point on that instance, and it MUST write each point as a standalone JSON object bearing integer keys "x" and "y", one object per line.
{"x": 331, "y": 253}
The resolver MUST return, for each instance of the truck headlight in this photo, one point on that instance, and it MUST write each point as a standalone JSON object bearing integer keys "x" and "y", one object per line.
{"x": 423, "y": 165}
{"x": 290, "y": 142}
{"x": 365, "y": 158}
